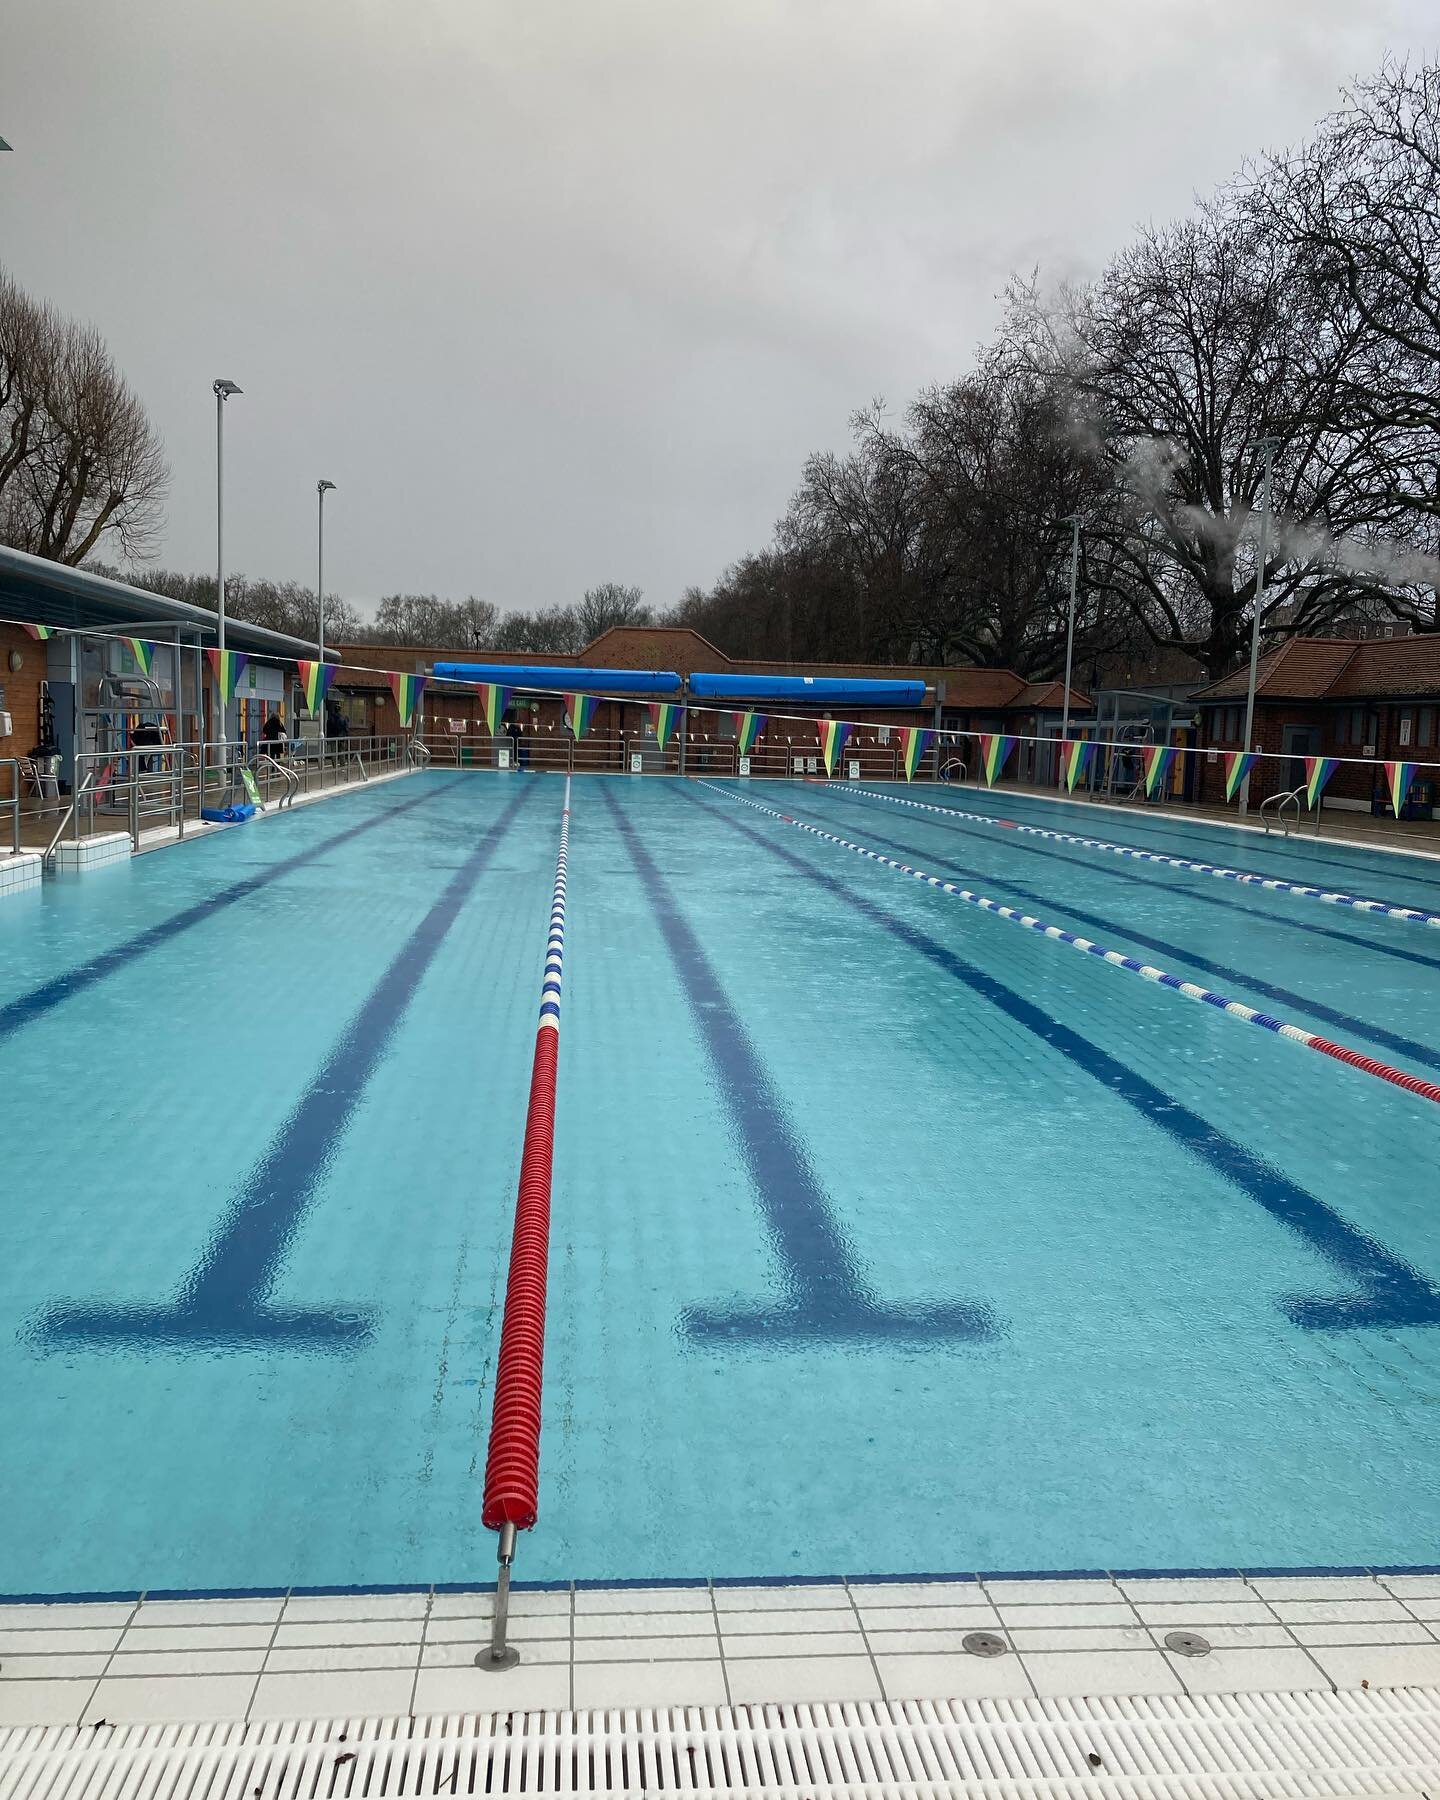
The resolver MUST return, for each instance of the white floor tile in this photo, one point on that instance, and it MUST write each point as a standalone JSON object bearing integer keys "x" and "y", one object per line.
{"x": 1052, "y": 1593}
{"x": 963, "y": 1677}
{"x": 338, "y": 1656}
{"x": 1105, "y": 1672}
{"x": 349, "y": 1631}
{"x": 1117, "y": 1613}
{"x": 338, "y": 1696}
{"x": 1083, "y": 1637}
{"x": 1231, "y": 1637}
{"x": 1197, "y": 1615}
{"x": 462, "y": 1656}
{"x": 917, "y": 1593}
{"x": 161, "y": 1699}
{"x": 645, "y": 1649}
{"x": 1413, "y": 1587}
{"x": 531, "y": 1687}
{"x": 68, "y": 1643}
{"x": 192, "y": 1613}
{"x": 789, "y": 1599}
{"x": 649, "y": 1684}
{"x": 1316, "y": 1587}
{"x": 616, "y": 1600}
{"x": 1341, "y": 1612}
{"x": 188, "y": 1662}
{"x": 671, "y": 1624}
{"x": 546, "y": 1629}
{"x": 754, "y": 1680}
{"x": 929, "y": 1618}
{"x": 196, "y": 1637}
{"x": 43, "y": 1702}
{"x": 797, "y": 1643}
{"x": 1428, "y": 1610}
{"x": 304, "y": 1609}
{"x": 1359, "y": 1633}
{"x": 95, "y": 1615}
{"x": 1207, "y": 1590}
{"x": 743, "y": 1624}
{"x": 1409, "y": 1665}
{"x": 1269, "y": 1671}
{"x": 52, "y": 1668}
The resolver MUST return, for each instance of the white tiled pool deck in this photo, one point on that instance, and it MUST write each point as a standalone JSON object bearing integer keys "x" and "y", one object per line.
{"x": 306, "y": 1656}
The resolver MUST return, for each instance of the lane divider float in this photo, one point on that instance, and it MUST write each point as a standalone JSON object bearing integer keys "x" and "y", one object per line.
{"x": 1410, "y": 915}
{"x": 512, "y": 1463}
{"x": 1191, "y": 990}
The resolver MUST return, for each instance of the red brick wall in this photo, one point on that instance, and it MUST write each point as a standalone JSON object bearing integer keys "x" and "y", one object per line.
{"x": 22, "y": 695}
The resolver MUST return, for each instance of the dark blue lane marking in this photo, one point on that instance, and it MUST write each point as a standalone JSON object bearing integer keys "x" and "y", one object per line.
{"x": 1393, "y": 1293}
{"x": 223, "y": 1303}
{"x": 26, "y": 1008}
{"x": 825, "y": 1292}
{"x": 1377, "y": 1034}
{"x": 1098, "y": 864}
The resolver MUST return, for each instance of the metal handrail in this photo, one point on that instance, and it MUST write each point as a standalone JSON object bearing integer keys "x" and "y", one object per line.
{"x": 955, "y": 762}
{"x": 69, "y": 813}
{"x": 1279, "y": 801}
{"x": 287, "y": 775}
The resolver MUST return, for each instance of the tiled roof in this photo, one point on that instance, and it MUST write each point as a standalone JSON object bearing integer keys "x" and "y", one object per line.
{"x": 1386, "y": 667}
{"x": 1341, "y": 669}
{"x": 1301, "y": 669}
{"x": 1049, "y": 696}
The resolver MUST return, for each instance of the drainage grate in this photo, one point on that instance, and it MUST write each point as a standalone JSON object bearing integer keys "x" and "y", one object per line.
{"x": 1306, "y": 1746}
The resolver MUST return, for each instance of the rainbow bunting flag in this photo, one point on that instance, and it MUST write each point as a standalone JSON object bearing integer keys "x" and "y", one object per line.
{"x": 834, "y": 735}
{"x": 664, "y": 716}
{"x": 315, "y": 679}
{"x": 1238, "y": 764}
{"x": 1318, "y": 770}
{"x": 994, "y": 752}
{"x": 494, "y": 700}
{"x": 1157, "y": 759}
{"x": 1399, "y": 775}
{"x": 227, "y": 666}
{"x": 143, "y": 651}
{"x": 38, "y": 632}
{"x": 1075, "y": 754}
{"x": 579, "y": 711}
{"x": 914, "y": 742}
{"x": 407, "y": 690}
{"x": 748, "y": 726}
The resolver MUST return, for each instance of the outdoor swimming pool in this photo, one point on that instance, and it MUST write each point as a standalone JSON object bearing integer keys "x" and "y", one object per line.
{"x": 887, "y": 1236}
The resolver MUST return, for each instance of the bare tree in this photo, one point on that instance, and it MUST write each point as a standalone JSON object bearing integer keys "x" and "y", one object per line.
{"x": 79, "y": 458}
{"x": 608, "y": 605}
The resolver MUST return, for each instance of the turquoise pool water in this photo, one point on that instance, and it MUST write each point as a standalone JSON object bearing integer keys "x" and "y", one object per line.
{"x": 887, "y": 1237}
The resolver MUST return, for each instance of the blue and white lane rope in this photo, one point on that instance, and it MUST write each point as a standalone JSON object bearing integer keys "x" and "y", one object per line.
{"x": 1116, "y": 958}
{"x": 1411, "y": 915}
{"x": 552, "y": 987}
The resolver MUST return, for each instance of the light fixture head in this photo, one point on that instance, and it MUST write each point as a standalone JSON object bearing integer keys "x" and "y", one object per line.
{"x": 226, "y": 388}
{"x": 5, "y": 146}
{"x": 324, "y": 487}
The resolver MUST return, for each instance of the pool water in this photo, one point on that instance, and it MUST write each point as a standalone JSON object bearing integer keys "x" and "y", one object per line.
{"x": 887, "y": 1236}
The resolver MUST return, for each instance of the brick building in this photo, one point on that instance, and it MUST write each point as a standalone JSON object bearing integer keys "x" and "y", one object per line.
{"x": 1366, "y": 700}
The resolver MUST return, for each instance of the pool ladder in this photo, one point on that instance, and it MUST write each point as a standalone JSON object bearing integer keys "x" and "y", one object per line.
{"x": 1290, "y": 798}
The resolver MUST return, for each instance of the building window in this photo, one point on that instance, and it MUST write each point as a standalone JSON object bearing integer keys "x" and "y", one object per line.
{"x": 1406, "y": 728}
{"x": 1357, "y": 725}
{"x": 1425, "y": 727}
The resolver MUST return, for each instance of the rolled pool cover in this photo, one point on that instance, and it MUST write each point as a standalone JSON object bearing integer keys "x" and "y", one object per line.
{"x": 563, "y": 681}
{"x": 808, "y": 690}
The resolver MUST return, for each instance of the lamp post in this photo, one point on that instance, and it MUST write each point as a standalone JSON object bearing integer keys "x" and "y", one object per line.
{"x": 223, "y": 391}
{"x": 1267, "y": 447}
{"x": 1074, "y": 522}
{"x": 322, "y": 488}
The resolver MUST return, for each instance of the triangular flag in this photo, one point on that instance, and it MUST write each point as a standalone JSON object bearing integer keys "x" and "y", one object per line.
{"x": 227, "y": 666}
{"x": 1318, "y": 770}
{"x": 579, "y": 711}
{"x": 1238, "y": 764}
{"x": 407, "y": 690}
{"x": 914, "y": 742}
{"x": 994, "y": 750}
{"x": 494, "y": 702}
{"x": 38, "y": 632}
{"x": 748, "y": 726}
{"x": 143, "y": 651}
{"x": 1399, "y": 775}
{"x": 1075, "y": 754}
{"x": 664, "y": 716}
{"x": 315, "y": 679}
{"x": 1157, "y": 759}
{"x": 834, "y": 735}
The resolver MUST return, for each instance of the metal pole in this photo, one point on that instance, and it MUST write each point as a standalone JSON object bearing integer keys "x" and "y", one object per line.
{"x": 223, "y": 391}
{"x": 500, "y": 1654}
{"x": 1266, "y": 447}
{"x": 1070, "y": 628}
{"x": 321, "y": 489}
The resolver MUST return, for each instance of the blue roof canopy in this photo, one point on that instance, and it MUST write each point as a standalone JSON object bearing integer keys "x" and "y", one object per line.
{"x": 562, "y": 681}
{"x": 808, "y": 690}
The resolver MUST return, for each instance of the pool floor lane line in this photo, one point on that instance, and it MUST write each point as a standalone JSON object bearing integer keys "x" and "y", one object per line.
{"x": 1116, "y": 959}
{"x": 24, "y": 1009}
{"x": 1392, "y": 1292}
{"x": 826, "y": 1295}
{"x": 224, "y": 1301}
{"x": 1393, "y": 1041}
{"x": 1411, "y": 915}
{"x": 1370, "y": 946}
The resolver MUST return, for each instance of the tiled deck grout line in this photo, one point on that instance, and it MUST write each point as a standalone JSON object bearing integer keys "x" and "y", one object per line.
{"x": 994, "y": 1606}
{"x": 420, "y": 1653}
{"x": 1309, "y": 1653}
{"x": 865, "y": 1640}
{"x": 265, "y": 1659}
{"x": 1409, "y": 1610}
{"x": 114, "y": 1652}
{"x": 572, "y": 1646}
{"x": 719, "y": 1640}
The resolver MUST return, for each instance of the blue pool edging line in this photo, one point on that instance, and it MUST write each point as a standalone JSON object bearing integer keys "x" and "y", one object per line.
{"x": 1190, "y": 990}
{"x": 1410, "y": 915}
{"x": 634, "y": 1583}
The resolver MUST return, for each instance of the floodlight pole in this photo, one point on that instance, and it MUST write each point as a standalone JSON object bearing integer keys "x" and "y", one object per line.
{"x": 1267, "y": 447}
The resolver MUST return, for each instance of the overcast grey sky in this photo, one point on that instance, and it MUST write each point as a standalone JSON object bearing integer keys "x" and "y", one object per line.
{"x": 564, "y": 293}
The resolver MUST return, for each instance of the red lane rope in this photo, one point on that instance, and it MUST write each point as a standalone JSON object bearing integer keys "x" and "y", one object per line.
{"x": 512, "y": 1463}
